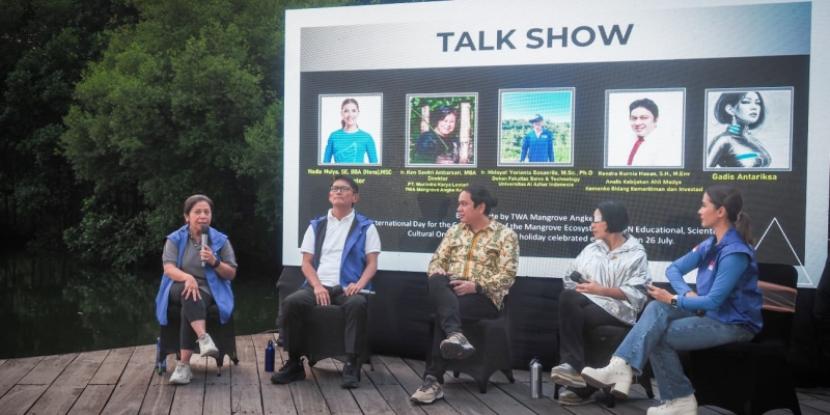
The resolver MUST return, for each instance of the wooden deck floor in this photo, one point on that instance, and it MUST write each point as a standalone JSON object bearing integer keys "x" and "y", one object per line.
{"x": 122, "y": 381}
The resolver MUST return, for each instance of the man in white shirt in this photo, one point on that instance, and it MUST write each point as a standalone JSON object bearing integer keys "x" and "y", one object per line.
{"x": 648, "y": 148}
{"x": 348, "y": 245}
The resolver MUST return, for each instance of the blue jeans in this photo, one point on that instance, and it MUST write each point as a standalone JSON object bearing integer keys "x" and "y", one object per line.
{"x": 661, "y": 331}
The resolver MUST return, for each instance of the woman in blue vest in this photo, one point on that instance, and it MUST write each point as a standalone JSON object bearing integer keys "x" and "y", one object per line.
{"x": 726, "y": 307}
{"x": 199, "y": 264}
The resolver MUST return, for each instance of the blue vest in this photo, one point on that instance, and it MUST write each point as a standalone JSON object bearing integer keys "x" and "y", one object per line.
{"x": 743, "y": 306}
{"x": 219, "y": 287}
{"x": 353, "y": 261}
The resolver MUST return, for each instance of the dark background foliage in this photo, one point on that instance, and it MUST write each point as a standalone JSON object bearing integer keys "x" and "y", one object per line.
{"x": 114, "y": 111}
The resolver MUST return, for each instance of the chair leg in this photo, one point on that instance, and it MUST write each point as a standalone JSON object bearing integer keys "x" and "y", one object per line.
{"x": 482, "y": 386}
{"x": 508, "y": 373}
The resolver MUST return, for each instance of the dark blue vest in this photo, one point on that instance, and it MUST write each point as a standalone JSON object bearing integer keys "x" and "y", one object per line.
{"x": 743, "y": 306}
{"x": 220, "y": 288}
{"x": 353, "y": 261}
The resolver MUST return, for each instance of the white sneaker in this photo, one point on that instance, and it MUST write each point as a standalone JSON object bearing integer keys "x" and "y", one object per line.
{"x": 182, "y": 375}
{"x": 617, "y": 376}
{"x": 207, "y": 347}
{"x": 566, "y": 375}
{"x": 686, "y": 405}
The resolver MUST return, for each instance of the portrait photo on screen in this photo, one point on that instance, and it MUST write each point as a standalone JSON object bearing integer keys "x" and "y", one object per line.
{"x": 645, "y": 128}
{"x": 536, "y": 126}
{"x": 441, "y": 129}
{"x": 749, "y": 128}
{"x": 351, "y": 129}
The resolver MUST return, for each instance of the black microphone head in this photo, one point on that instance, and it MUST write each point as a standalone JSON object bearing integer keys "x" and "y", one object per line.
{"x": 205, "y": 229}
{"x": 576, "y": 277}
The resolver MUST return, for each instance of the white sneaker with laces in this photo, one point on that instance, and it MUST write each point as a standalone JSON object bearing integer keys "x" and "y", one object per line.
{"x": 686, "y": 405}
{"x": 182, "y": 375}
{"x": 566, "y": 375}
{"x": 207, "y": 347}
{"x": 616, "y": 376}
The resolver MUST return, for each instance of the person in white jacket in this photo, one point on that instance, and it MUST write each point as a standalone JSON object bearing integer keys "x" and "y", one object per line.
{"x": 606, "y": 285}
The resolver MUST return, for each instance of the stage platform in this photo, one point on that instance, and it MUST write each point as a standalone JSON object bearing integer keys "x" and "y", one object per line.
{"x": 123, "y": 381}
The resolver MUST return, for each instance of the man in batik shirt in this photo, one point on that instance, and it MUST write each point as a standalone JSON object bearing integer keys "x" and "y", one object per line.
{"x": 469, "y": 275}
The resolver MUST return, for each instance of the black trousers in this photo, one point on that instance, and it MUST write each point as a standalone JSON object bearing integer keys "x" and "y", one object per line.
{"x": 191, "y": 310}
{"x": 578, "y": 314}
{"x": 450, "y": 309}
{"x": 297, "y": 308}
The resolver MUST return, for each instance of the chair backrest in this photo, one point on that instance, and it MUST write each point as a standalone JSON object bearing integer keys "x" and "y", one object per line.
{"x": 778, "y": 284}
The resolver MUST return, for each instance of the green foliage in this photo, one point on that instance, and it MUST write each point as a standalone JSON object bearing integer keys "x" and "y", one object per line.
{"x": 44, "y": 49}
{"x": 180, "y": 103}
{"x": 114, "y": 111}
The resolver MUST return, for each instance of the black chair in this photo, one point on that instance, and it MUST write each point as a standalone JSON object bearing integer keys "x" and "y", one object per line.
{"x": 489, "y": 337}
{"x": 324, "y": 334}
{"x": 600, "y": 344}
{"x": 751, "y": 377}
{"x": 224, "y": 336}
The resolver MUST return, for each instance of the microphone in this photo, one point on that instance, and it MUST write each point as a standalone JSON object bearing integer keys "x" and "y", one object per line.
{"x": 576, "y": 277}
{"x": 204, "y": 239}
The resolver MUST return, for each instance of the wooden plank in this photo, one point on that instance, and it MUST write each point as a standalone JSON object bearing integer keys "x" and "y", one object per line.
{"x": 245, "y": 373}
{"x": 47, "y": 370}
{"x": 520, "y": 391}
{"x": 368, "y": 399}
{"x": 245, "y": 399}
{"x": 82, "y": 369}
{"x": 14, "y": 370}
{"x": 129, "y": 393}
{"x": 497, "y": 400}
{"x": 818, "y": 404}
{"x": 306, "y": 394}
{"x": 381, "y": 374}
{"x": 218, "y": 388}
{"x": 276, "y": 399}
{"x": 709, "y": 410}
{"x": 20, "y": 398}
{"x": 245, "y": 392}
{"x": 217, "y": 399}
{"x": 398, "y": 400}
{"x": 58, "y": 399}
{"x": 189, "y": 399}
{"x": 92, "y": 400}
{"x": 454, "y": 392}
{"x": 339, "y": 400}
{"x": 110, "y": 370}
{"x": 411, "y": 381}
{"x": 158, "y": 400}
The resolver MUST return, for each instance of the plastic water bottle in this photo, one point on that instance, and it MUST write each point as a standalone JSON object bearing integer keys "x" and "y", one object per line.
{"x": 535, "y": 378}
{"x": 269, "y": 356}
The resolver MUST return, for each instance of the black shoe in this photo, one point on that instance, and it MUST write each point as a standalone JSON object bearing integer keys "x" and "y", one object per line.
{"x": 289, "y": 372}
{"x": 351, "y": 376}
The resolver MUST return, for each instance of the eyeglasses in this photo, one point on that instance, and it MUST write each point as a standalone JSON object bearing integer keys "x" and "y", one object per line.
{"x": 340, "y": 189}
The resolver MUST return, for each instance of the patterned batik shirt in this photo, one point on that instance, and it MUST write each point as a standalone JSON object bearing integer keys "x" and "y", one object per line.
{"x": 488, "y": 257}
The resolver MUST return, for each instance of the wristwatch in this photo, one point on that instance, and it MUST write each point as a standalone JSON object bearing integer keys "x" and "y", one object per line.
{"x": 216, "y": 263}
{"x": 674, "y": 301}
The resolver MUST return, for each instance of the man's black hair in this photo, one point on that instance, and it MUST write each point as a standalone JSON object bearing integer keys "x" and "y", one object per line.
{"x": 479, "y": 194}
{"x": 346, "y": 179}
